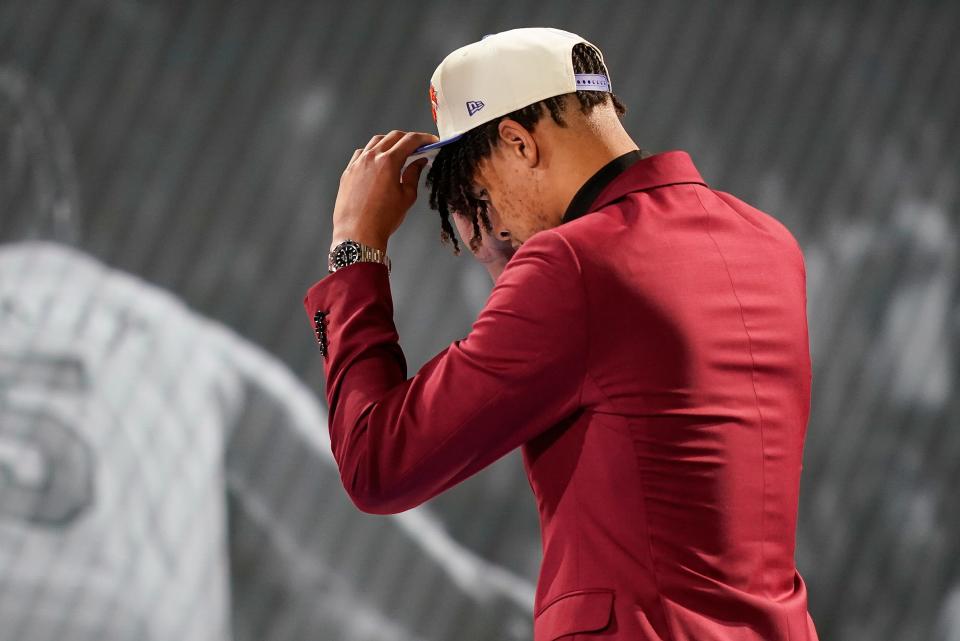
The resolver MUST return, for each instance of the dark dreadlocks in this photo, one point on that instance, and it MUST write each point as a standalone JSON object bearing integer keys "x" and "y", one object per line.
{"x": 451, "y": 176}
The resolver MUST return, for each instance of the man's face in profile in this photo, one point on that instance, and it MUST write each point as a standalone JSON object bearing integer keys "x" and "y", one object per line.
{"x": 494, "y": 251}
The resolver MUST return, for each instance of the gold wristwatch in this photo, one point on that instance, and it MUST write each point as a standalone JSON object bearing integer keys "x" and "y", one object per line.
{"x": 350, "y": 251}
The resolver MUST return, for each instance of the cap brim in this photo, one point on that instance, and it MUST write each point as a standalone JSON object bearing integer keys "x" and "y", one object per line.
{"x": 428, "y": 151}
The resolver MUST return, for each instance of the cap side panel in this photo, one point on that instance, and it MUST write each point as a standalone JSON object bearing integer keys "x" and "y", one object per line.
{"x": 445, "y": 128}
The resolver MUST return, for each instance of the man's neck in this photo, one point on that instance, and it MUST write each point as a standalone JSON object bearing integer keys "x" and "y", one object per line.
{"x": 587, "y": 163}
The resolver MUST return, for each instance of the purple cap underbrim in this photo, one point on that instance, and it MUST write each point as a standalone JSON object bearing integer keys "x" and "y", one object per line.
{"x": 428, "y": 151}
{"x": 436, "y": 145}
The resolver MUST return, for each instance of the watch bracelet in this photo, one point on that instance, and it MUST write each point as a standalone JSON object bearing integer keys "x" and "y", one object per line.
{"x": 367, "y": 254}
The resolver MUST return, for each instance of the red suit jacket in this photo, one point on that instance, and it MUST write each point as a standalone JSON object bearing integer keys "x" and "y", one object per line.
{"x": 652, "y": 361}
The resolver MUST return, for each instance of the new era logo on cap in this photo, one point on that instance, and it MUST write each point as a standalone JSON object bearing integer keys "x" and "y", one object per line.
{"x": 473, "y": 106}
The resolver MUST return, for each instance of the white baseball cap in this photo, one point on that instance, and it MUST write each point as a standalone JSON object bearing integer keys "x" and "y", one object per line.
{"x": 500, "y": 73}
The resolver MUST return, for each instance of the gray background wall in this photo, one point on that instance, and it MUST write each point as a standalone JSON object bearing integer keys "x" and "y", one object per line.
{"x": 209, "y": 136}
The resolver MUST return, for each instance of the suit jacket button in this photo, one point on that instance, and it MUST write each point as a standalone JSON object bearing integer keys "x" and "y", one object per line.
{"x": 319, "y": 328}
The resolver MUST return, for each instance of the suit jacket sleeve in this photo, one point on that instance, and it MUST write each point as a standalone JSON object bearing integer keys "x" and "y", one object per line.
{"x": 399, "y": 441}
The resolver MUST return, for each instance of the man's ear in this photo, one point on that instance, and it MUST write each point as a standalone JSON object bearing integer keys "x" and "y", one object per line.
{"x": 517, "y": 142}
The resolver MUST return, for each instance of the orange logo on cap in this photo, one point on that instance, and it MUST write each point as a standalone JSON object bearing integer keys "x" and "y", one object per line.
{"x": 433, "y": 103}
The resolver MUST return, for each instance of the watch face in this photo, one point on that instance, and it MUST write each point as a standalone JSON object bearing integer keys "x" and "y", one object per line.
{"x": 346, "y": 253}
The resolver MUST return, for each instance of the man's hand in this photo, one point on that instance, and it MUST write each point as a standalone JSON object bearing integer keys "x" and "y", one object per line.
{"x": 373, "y": 198}
{"x": 493, "y": 252}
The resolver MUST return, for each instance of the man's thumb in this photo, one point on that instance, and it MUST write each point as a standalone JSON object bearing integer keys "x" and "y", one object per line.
{"x": 411, "y": 175}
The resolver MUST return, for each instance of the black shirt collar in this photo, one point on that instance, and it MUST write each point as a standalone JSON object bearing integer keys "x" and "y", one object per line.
{"x": 587, "y": 193}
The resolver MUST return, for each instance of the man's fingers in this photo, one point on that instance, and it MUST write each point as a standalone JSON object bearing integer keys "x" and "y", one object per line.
{"x": 411, "y": 175}
{"x": 353, "y": 159}
{"x": 373, "y": 142}
{"x": 408, "y": 142}
{"x": 387, "y": 141}
{"x": 396, "y": 146}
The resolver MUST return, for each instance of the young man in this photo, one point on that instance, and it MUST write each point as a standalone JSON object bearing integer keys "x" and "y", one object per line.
{"x": 646, "y": 346}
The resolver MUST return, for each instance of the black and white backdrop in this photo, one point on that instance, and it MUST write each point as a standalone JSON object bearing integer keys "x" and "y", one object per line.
{"x": 168, "y": 174}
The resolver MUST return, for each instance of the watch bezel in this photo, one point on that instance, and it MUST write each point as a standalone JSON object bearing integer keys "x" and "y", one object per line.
{"x": 340, "y": 256}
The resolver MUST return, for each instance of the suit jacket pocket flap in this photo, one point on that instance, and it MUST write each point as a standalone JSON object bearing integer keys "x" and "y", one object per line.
{"x": 572, "y": 612}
